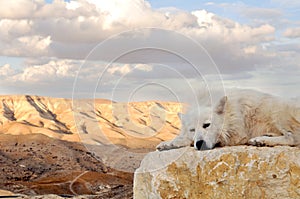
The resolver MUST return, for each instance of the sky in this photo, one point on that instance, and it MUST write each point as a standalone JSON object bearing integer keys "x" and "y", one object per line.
{"x": 135, "y": 50}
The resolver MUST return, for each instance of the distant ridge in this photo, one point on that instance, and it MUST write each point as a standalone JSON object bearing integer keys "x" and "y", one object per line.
{"x": 133, "y": 125}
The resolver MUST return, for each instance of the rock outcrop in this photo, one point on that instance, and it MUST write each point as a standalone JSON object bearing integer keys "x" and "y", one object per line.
{"x": 229, "y": 172}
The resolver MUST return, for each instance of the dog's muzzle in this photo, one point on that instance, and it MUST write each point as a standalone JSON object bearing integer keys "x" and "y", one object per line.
{"x": 201, "y": 145}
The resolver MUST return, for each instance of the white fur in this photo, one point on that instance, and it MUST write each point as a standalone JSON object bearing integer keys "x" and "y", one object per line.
{"x": 241, "y": 117}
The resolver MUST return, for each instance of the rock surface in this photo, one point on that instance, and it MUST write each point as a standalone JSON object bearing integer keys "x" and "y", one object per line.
{"x": 229, "y": 172}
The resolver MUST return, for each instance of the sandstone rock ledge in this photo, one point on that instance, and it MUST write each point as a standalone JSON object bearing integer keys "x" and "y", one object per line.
{"x": 229, "y": 172}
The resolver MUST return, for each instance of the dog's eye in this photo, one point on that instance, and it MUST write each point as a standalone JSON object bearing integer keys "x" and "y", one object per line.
{"x": 205, "y": 125}
{"x": 192, "y": 130}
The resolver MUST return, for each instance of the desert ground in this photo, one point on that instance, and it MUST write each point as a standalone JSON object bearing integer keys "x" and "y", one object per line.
{"x": 78, "y": 148}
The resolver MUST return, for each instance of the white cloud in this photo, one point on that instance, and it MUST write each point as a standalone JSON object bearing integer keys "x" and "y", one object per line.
{"x": 117, "y": 12}
{"x": 144, "y": 67}
{"x": 64, "y": 29}
{"x": 69, "y": 30}
{"x": 17, "y": 9}
{"x": 73, "y": 5}
{"x": 71, "y": 25}
{"x": 34, "y": 45}
{"x": 292, "y": 33}
{"x": 51, "y": 71}
{"x": 36, "y": 42}
{"x": 250, "y": 49}
{"x": 204, "y": 18}
{"x": 231, "y": 31}
{"x": 122, "y": 70}
{"x": 129, "y": 68}
{"x": 11, "y": 28}
{"x": 6, "y": 70}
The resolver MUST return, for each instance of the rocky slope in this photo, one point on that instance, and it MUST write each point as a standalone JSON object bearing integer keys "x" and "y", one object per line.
{"x": 228, "y": 172}
{"x": 36, "y": 164}
{"x": 133, "y": 125}
{"x": 79, "y": 147}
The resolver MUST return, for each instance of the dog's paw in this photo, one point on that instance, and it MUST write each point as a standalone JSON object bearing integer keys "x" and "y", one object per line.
{"x": 164, "y": 146}
{"x": 257, "y": 141}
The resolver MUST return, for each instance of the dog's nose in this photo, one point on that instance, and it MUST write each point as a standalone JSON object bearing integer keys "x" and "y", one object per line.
{"x": 201, "y": 145}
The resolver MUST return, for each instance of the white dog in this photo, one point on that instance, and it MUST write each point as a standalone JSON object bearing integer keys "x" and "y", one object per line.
{"x": 241, "y": 117}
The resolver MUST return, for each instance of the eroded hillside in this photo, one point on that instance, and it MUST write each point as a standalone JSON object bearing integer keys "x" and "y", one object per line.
{"x": 79, "y": 147}
{"x": 134, "y": 125}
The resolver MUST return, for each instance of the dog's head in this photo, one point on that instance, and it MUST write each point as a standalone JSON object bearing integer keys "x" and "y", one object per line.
{"x": 205, "y": 126}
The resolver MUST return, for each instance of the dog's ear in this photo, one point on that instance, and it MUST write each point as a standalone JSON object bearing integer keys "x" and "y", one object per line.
{"x": 221, "y": 106}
